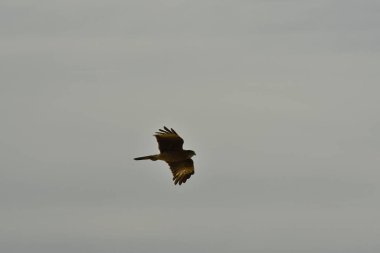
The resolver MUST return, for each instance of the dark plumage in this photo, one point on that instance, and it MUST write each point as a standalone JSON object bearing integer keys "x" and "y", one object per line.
{"x": 171, "y": 151}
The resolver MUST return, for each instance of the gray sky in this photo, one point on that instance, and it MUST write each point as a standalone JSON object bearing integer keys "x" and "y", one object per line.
{"x": 279, "y": 99}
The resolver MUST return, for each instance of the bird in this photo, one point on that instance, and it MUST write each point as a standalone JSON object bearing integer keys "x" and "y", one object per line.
{"x": 171, "y": 151}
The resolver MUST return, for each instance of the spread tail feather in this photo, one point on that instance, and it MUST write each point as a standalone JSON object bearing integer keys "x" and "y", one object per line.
{"x": 149, "y": 157}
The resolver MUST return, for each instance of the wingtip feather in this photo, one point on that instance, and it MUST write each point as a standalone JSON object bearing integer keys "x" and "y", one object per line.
{"x": 165, "y": 130}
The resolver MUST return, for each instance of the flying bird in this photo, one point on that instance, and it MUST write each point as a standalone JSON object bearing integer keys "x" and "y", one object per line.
{"x": 171, "y": 151}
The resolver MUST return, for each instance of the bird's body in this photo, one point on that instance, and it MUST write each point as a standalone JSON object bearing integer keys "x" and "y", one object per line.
{"x": 168, "y": 156}
{"x": 175, "y": 156}
{"x": 179, "y": 160}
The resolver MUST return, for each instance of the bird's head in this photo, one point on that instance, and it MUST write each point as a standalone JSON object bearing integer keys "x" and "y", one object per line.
{"x": 190, "y": 153}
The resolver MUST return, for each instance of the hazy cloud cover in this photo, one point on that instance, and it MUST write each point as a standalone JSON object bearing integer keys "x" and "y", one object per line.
{"x": 279, "y": 99}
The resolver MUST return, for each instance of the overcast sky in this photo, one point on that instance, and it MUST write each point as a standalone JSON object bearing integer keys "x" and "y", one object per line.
{"x": 279, "y": 99}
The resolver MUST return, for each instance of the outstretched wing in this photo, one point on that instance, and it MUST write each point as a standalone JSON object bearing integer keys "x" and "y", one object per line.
{"x": 182, "y": 170}
{"x": 168, "y": 140}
